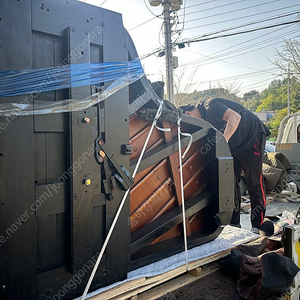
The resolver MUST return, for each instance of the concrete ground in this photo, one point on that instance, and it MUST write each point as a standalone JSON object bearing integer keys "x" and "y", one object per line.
{"x": 273, "y": 209}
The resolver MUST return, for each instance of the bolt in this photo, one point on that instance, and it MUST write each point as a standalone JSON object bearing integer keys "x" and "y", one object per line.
{"x": 87, "y": 182}
{"x": 102, "y": 153}
{"x": 86, "y": 120}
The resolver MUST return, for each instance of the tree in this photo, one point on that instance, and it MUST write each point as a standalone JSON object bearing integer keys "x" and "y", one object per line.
{"x": 230, "y": 90}
{"x": 251, "y": 100}
{"x": 180, "y": 90}
{"x": 275, "y": 121}
{"x": 275, "y": 97}
{"x": 288, "y": 59}
{"x": 252, "y": 105}
{"x": 252, "y": 95}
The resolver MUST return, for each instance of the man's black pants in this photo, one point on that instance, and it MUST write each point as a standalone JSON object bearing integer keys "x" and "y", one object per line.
{"x": 251, "y": 163}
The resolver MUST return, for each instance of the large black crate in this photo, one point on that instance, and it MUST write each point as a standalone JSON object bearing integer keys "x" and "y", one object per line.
{"x": 55, "y": 202}
{"x": 53, "y": 224}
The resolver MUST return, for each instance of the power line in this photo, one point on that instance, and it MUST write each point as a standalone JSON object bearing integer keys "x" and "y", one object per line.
{"x": 245, "y": 75}
{"x": 143, "y": 23}
{"x": 204, "y": 38}
{"x": 234, "y": 54}
{"x": 248, "y": 24}
{"x": 193, "y": 65}
{"x": 102, "y": 3}
{"x": 211, "y": 57}
{"x": 201, "y": 3}
{"x": 259, "y": 84}
{"x": 183, "y": 22}
{"x": 215, "y": 7}
{"x": 255, "y": 38}
{"x": 243, "y": 17}
{"x": 235, "y": 10}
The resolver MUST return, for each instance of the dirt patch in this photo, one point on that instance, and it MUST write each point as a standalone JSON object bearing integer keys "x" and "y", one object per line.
{"x": 216, "y": 286}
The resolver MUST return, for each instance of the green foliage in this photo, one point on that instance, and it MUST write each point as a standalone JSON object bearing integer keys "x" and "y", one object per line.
{"x": 252, "y": 104}
{"x": 251, "y": 96}
{"x": 251, "y": 100}
{"x": 275, "y": 121}
{"x": 273, "y": 102}
{"x": 198, "y": 96}
{"x": 275, "y": 97}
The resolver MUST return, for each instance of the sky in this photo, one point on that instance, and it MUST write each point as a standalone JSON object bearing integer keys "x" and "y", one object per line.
{"x": 243, "y": 60}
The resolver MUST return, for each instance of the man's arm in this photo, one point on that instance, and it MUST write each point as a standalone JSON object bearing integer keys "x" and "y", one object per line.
{"x": 233, "y": 120}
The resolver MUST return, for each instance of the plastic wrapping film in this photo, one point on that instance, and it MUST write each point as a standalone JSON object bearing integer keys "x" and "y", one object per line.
{"x": 35, "y": 81}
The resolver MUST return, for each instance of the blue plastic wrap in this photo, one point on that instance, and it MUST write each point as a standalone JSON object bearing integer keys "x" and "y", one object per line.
{"x": 36, "y": 81}
{"x": 20, "y": 82}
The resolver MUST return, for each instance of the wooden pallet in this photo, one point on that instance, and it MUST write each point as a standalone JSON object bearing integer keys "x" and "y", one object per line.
{"x": 147, "y": 288}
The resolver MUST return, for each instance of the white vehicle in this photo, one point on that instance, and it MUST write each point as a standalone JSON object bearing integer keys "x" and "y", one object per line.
{"x": 289, "y": 130}
{"x": 288, "y": 143}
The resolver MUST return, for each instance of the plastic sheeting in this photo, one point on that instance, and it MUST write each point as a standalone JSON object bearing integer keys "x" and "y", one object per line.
{"x": 35, "y": 81}
{"x": 229, "y": 238}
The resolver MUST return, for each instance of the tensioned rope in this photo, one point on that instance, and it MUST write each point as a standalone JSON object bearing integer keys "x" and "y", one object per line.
{"x": 158, "y": 113}
{"x": 182, "y": 187}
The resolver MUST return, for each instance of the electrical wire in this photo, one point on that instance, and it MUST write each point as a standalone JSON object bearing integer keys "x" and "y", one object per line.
{"x": 143, "y": 23}
{"x": 150, "y": 9}
{"x": 243, "y": 43}
{"x": 102, "y": 3}
{"x": 231, "y": 11}
{"x": 161, "y": 35}
{"x": 247, "y": 16}
{"x": 259, "y": 84}
{"x": 246, "y": 75}
{"x": 184, "y": 15}
{"x": 190, "y": 64}
{"x": 233, "y": 55}
{"x": 200, "y": 3}
{"x": 205, "y": 38}
{"x": 215, "y": 7}
{"x": 247, "y": 24}
{"x": 235, "y": 51}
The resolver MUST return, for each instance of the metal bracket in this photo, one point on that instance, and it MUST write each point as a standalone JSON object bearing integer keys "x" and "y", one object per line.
{"x": 122, "y": 174}
{"x": 106, "y": 182}
{"x": 97, "y": 88}
{"x": 148, "y": 115}
{"x": 169, "y": 113}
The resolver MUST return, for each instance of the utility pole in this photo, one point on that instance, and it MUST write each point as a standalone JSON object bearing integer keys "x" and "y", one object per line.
{"x": 289, "y": 91}
{"x": 168, "y": 51}
{"x": 168, "y": 6}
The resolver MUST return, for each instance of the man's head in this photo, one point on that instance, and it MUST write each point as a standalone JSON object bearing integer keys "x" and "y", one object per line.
{"x": 191, "y": 110}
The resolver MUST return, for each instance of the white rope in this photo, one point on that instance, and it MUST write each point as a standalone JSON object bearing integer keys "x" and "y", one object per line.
{"x": 182, "y": 196}
{"x": 188, "y": 135}
{"x": 158, "y": 113}
{"x": 162, "y": 129}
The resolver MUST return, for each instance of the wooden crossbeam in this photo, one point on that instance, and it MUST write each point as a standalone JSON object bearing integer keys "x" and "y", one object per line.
{"x": 152, "y": 230}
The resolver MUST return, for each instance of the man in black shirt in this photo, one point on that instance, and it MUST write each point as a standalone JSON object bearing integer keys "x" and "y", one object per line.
{"x": 246, "y": 137}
